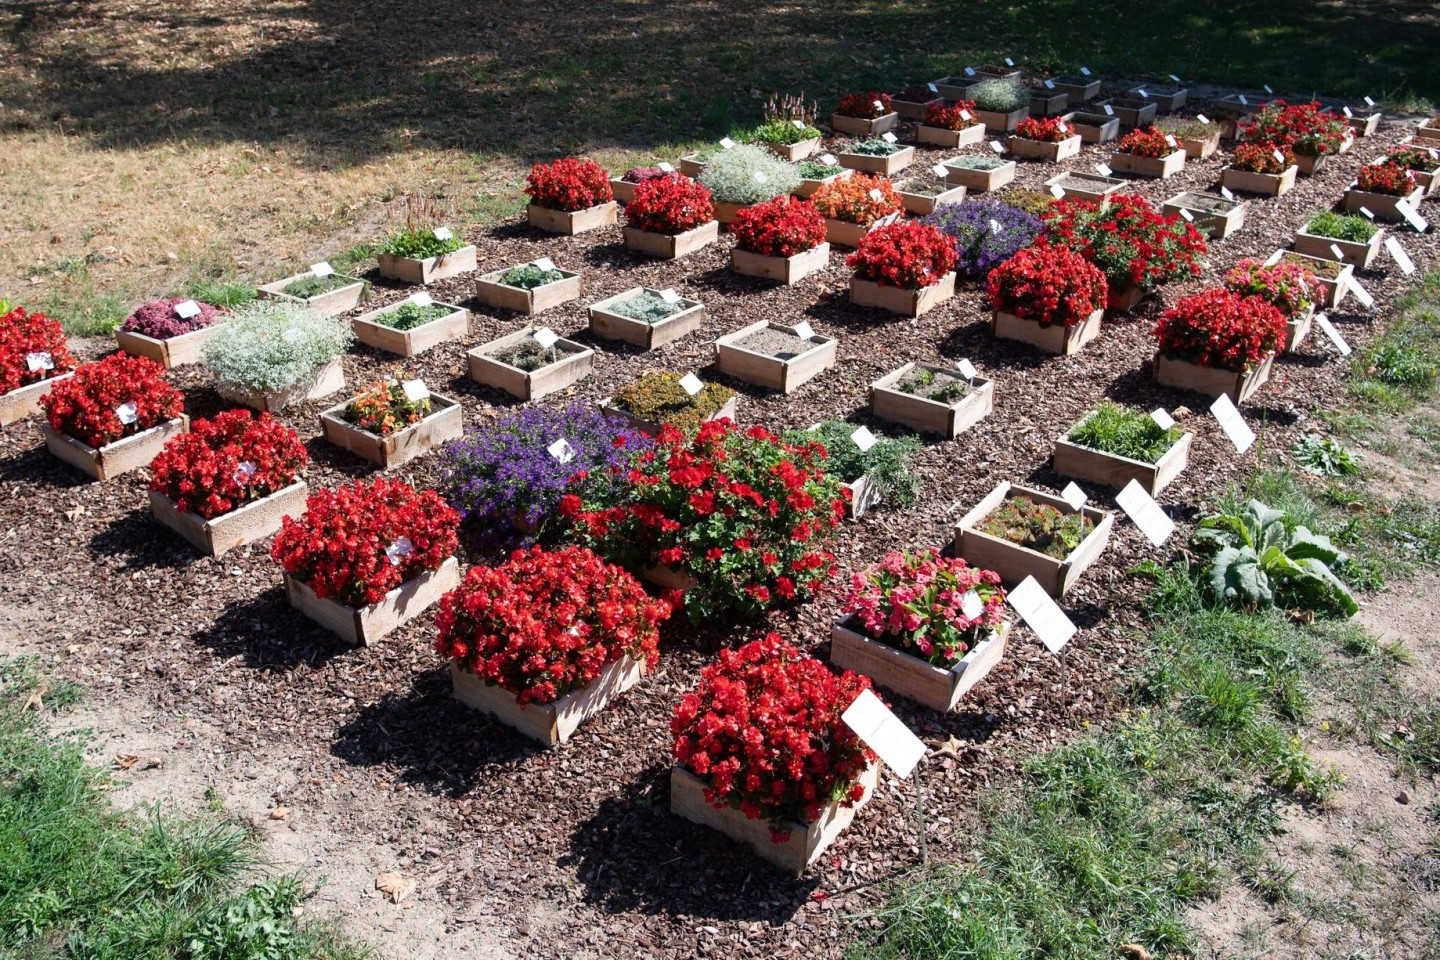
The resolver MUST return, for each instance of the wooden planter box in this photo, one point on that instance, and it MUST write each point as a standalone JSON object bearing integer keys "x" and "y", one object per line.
{"x": 1239, "y": 387}
{"x": 574, "y": 364}
{"x": 1078, "y": 89}
{"x": 856, "y": 127}
{"x": 843, "y": 233}
{"x": 1002, "y": 122}
{"x": 1166, "y": 99}
{"x": 1430, "y": 127}
{"x": 113, "y": 459}
{"x": 491, "y": 292}
{"x": 1131, "y": 113}
{"x": 1056, "y": 338}
{"x": 930, "y": 686}
{"x": 1156, "y": 168}
{"x": 1266, "y": 184}
{"x": 415, "y": 341}
{"x": 886, "y": 166}
{"x": 692, "y": 165}
{"x": 549, "y": 723}
{"x": 1124, "y": 300}
{"x": 1086, "y": 186}
{"x": 725, "y": 212}
{"x": 1200, "y": 149}
{"x": 808, "y": 188}
{"x": 981, "y": 181}
{"x": 1048, "y": 103}
{"x": 428, "y": 270}
{"x": 623, "y": 190}
{"x": 444, "y": 422}
{"x": 907, "y": 303}
{"x": 571, "y": 222}
{"x": 1364, "y": 126}
{"x": 1013, "y": 562}
{"x": 331, "y": 303}
{"x": 1297, "y": 329}
{"x": 1308, "y": 166}
{"x": 175, "y": 352}
{"x": 794, "y": 152}
{"x": 362, "y": 626}
{"x": 954, "y": 139}
{"x": 646, "y": 336}
{"x": 1042, "y": 150}
{"x": 913, "y": 109}
{"x": 806, "y": 842}
{"x": 1113, "y": 470}
{"x": 1214, "y": 216}
{"x": 956, "y": 88}
{"x": 889, "y": 403}
{"x": 763, "y": 370}
{"x": 1094, "y": 127}
{"x": 1429, "y": 181}
{"x": 1334, "y": 284}
{"x": 254, "y": 521}
{"x": 19, "y": 403}
{"x": 924, "y": 204}
{"x": 1383, "y": 205}
{"x": 667, "y": 246}
{"x": 1358, "y": 255}
{"x": 785, "y": 269}
{"x": 327, "y": 380}
{"x": 1231, "y": 106}
{"x": 652, "y": 427}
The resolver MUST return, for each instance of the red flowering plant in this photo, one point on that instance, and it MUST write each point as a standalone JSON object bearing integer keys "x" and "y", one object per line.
{"x": 1148, "y": 141}
{"x": 1050, "y": 285}
{"x": 781, "y": 227}
{"x": 918, "y": 602}
{"x": 907, "y": 255}
{"x": 744, "y": 514}
{"x": 355, "y": 544}
{"x": 862, "y": 199}
{"x": 669, "y": 205}
{"x": 568, "y": 184}
{"x": 1306, "y": 128}
{"x": 1288, "y": 287}
{"x": 763, "y": 729}
{"x": 112, "y": 399}
{"x": 546, "y": 622}
{"x": 862, "y": 106}
{"x": 1134, "y": 246}
{"x": 225, "y": 463}
{"x": 1263, "y": 156}
{"x": 1046, "y": 129}
{"x": 1221, "y": 330}
{"x": 32, "y": 348}
{"x": 159, "y": 320}
{"x": 1414, "y": 158}
{"x": 1387, "y": 178}
{"x": 959, "y": 115}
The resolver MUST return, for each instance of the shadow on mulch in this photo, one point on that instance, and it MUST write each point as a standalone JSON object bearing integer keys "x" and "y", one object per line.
{"x": 139, "y": 542}
{"x": 36, "y": 466}
{"x": 268, "y": 635}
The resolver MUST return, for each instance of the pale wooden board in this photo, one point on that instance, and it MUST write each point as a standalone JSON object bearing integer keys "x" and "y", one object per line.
{"x": 253, "y": 521}
{"x": 362, "y": 626}
{"x": 113, "y": 459}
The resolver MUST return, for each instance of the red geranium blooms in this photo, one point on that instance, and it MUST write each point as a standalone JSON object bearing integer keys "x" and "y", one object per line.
{"x": 568, "y": 185}
{"x": 1045, "y": 129}
{"x": 32, "y": 348}
{"x": 763, "y": 729}
{"x": 1047, "y": 284}
{"x": 951, "y": 116}
{"x": 225, "y": 463}
{"x": 1149, "y": 142}
{"x": 907, "y": 255}
{"x": 1386, "y": 178}
{"x": 112, "y": 399}
{"x": 1304, "y": 127}
{"x": 671, "y": 206}
{"x": 1134, "y": 246}
{"x": 781, "y": 227}
{"x": 357, "y": 543}
{"x": 1221, "y": 330}
{"x": 1263, "y": 156}
{"x": 862, "y": 106}
{"x": 544, "y": 623}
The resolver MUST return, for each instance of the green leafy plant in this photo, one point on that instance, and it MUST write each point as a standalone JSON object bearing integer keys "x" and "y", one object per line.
{"x": 1000, "y": 95}
{"x": 409, "y": 315}
{"x": 310, "y": 286}
{"x": 975, "y": 163}
{"x": 1123, "y": 432}
{"x": 1258, "y": 558}
{"x": 527, "y": 276}
{"x": 416, "y": 240}
{"x": 1323, "y": 455}
{"x": 658, "y": 396}
{"x": 788, "y": 119}
{"x": 1403, "y": 365}
{"x": 875, "y": 147}
{"x": 648, "y": 307}
{"x": 748, "y": 174}
{"x": 887, "y": 463}
{"x": 816, "y": 170}
{"x": 942, "y": 388}
{"x": 273, "y": 345}
{"x": 225, "y": 294}
{"x": 1341, "y": 226}
{"x": 1037, "y": 526}
{"x": 1033, "y": 202}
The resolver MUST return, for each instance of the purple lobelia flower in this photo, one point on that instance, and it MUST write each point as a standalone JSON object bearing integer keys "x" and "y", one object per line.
{"x": 979, "y": 246}
{"x": 505, "y": 481}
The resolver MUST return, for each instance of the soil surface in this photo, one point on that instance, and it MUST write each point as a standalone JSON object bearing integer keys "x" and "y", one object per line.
{"x": 199, "y": 664}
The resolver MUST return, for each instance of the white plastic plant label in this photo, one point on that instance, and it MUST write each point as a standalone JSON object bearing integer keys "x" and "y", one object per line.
{"x": 244, "y": 470}
{"x": 399, "y": 550}
{"x": 761, "y": 176}
{"x": 863, "y": 439}
{"x": 1146, "y": 513}
{"x": 1202, "y": 118}
{"x": 1269, "y": 89}
{"x": 1009, "y": 62}
{"x": 670, "y": 296}
{"x": 691, "y": 384}
{"x": 727, "y": 143}
{"x": 321, "y": 269}
{"x": 995, "y": 226}
{"x": 415, "y": 390}
{"x": 1243, "y": 101}
{"x": 971, "y": 605}
{"x": 546, "y": 337}
{"x": 1109, "y": 110}
{"x": 1369, "y": 102}
{"x": 1144, "y": 94}
{"x": 1412, "y": 216}
{"x": 967, "y": 369}
{"x": 1328, "y": 328}
{"x": 878, "y": 104}
{"x": 39, "y": 360}
{"x": 561, "y": 450}
{"x": 965, "y": 115}
{"x": 804, "y": 331}
{"x": 969, "y": 71}
{"x": 1170, "y": 139}
{"x": 1279, "y": 157}
{"x": 1335, "y": 249}
{"x": 1042, "y": 614}
{"x": 666, "y": 166}
{"x": 1103, "y": 169}
{"x": 544, "y": 263}
{"x": 1226, "y": 193}
{"x": 1360, "y": 292}
{"x": 1162, "y": 418}
{"x": 1398, "y": 254}
{"x": 798, "y": 124}
{"x": 1366, "y": 213}
{"x": 933, "y": 88}
{"x": 876, "y": 195}
{"x": 997, "y": 146}
{"x": 1084, "y": 71}
{"x": 889, "y": 137}
{"x": 1174, "y": 79}
{"x": 939, "y": 170}
{"x": 883, "y": 732}
{"x": 1049, "y": 84}
{"x": 1186, "y": 215}
{"x": 186, "y": 309}
{"x": 1057, "y": 191}
{"x": 422, "y": 299}
{"x": 443, "y": 233}
{"x": 828, "y": 159}
{"x": 1228, "y": 416}
{"x": 1349, "y": 114}
{"x": 128, "y": 413}
{"x": 1073, "y": 495}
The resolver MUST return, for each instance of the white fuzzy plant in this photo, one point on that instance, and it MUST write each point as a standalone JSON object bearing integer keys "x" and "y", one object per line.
{"x": 273, "y": 345}
{"x": 730, "y": 175}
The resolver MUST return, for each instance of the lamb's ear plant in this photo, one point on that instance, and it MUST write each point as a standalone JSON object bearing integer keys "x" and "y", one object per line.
{"x": 748, "y": 174}
{"x": 1000, "y": 96}
{"x": 274, "y": 345}
{"x": 417, "y": 217}
{"x": 1323, "y": 455}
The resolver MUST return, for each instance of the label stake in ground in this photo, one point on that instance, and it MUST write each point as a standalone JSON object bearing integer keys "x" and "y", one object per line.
{"x": 1412, "y": 216}
{"x": 727, "y": 143}
{"x": 997, "y": 146}
{"x": 1073, "y": 495}
{"x": 546, "y": 337}
{"x": 1162, "y": 418}
{"x": 967, "y": 370}
{"x": 1328, "y": 328}
{"x": 1228, "y": 416}
{"x": 1146, "y": 513}
{"x": 1225, "y": 192}
{"x": 1103, "y": 169}
{"x": 40, "y": 360}
{"x": 828, "y": 159}
{"x": 971, "y": 605}
{"x": 1360, "y": 292}
{"x": 442, "y": 233}
{"x": 128, "y": 413}
{"x": 883, "y": 732}
{"x": 415, "y": 390}
{"x": 1042, "y": 614}
{"x": 939, "y": 170}
{"x": 399, "y": 550}
{"x": 186, "y": 309}
{"x": 863, "y": 438}
{"x": 1398, "y": 254}
{"x": 670, "y": 296}
{"x": 561, "y": 450}
{"x": 421, "y": 299}
{"x": 321, "y": 269}
{"x": 691, "y": 384}
{"x": 666, "y": 167}
{"x": 544, "y": 263}
{"x": 804, "y": 331}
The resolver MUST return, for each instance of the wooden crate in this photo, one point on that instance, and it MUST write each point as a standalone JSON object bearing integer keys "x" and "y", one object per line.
{"x": 794, "y": 152}
{"x": 668, "y": 247}
{"x": 996, "y": 122}
{"x": 549, "y": 723}
{"x": 1112, "y": 470}
{"x": 245, "y": 524}
{"x": 1383, "y": 205}
{"x": 1358, "y": 255}
{"x": 1156, "y": 168}
{"x": 1333, "y": 289}
{"x": 1013, "y": 562}
{"x": 930, "y": 686}
{"x": 843, "y": 233}
{"x": 1056, "y": 338}
{"x": 953, "y": 139}
{"x": 787, "y": 270}
{"x": 785, "y": 375}
{"x": 329, "y": 379}
{"x": 574, "y": 364}
{"x": 491, "y": 292}
{"x": 113, "y": 459}
{"x": 174, "y": 352}
{"x": 1086, "y": 186}
{"x": 428, "y": 270}
{"x": 1216, "y": 224}
{"x": 444, "y": 422}
{"x": 1094, "y": 127}
{"x": 858, "y": 127}
{"x": 1239, "y": 387}
{"x": 19, "y": 403}
{"x": 415, "y": 341}
{"x": 907, "y": 303}
{"x": 1166, "y": 99}
{"x": 886, "y": 166}
{"x": 652, "y": 427}
{"x": 981, "y": 181}
{"x": 1265, "y": 184}
{"x": 646, "y": 336}
{"x": 570, "y": 222}
{"x": 924, "y": 204}
{"x": 926, "y": 415}
{"x": 362, "y": 626}
{"x": 331, "y": 303}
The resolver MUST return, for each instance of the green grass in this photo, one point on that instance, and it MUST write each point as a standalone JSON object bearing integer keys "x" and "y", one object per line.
{"x": 1399, "y": 370}
{"x": 81, "y": 879}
